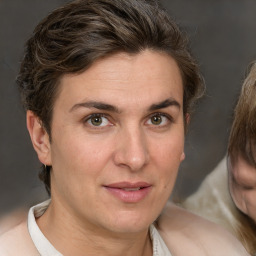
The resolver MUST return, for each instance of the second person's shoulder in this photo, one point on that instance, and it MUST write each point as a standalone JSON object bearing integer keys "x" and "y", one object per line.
{"x": 188, "y": 234}
{"x": 17, "y": 241}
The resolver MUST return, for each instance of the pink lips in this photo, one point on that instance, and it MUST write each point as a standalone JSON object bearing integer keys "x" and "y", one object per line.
{"x": 129, "y": 192}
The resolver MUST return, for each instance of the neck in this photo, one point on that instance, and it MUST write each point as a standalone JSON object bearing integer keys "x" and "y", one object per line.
{"x": 71, "y": 236}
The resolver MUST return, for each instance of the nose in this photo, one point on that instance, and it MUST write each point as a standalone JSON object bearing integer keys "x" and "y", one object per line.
{"x": 131, "y": 149}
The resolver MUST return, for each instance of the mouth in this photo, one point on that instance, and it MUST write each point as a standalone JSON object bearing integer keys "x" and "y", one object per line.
{"x": 129, "y": 192}
{"x": 131, "y": 189}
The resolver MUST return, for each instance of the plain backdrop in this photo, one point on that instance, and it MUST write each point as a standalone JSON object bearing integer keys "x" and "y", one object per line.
{"x": 223, "y": 39}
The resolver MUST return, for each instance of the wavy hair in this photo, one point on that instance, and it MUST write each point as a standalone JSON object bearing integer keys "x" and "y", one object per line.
{"x": 242, "y": 138}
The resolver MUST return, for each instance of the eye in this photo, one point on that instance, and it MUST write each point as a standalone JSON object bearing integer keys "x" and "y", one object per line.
{"x": 156, "y": 120}
{"x": 98, "y": 120}
{"x": 159, "y": 119}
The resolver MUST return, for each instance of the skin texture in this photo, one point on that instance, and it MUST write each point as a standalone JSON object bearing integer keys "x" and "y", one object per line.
{"x": 242, "y": 184}
{"x": 136, "y": 134}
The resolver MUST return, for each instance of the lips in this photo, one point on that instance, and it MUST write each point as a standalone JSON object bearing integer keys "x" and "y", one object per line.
{"x": 129, "y": 192}
{"x": 131, "y": 189}
{"x": 129, "y": 185}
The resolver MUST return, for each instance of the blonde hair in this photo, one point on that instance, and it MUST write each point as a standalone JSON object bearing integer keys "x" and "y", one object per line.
{"x": 242, "y": 141}
{"x": 242, "y": 138}
{"x": 246, "y": 232}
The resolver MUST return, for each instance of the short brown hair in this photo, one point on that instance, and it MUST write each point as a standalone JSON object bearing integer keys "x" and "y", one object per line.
{"x": 242, "y": 138}
{"x": 72, "y": 37}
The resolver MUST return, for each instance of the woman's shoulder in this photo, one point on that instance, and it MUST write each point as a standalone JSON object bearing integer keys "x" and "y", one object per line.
{"x": 188, "y": 234}
{"x": 17, "y": 241}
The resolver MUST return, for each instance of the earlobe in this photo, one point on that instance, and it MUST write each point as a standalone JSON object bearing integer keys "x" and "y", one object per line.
{"x": 39, "y": 138}
{"x": 187, "y": 118}
{"x": 182, "y": 157}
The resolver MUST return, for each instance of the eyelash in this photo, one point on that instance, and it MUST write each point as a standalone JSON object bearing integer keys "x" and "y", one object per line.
{"x": 170, "y": 118}
{"x": 97, "y": 115}
{"x": 100, "y": 115}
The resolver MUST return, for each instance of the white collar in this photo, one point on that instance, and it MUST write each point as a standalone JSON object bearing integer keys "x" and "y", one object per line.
{"x": 45, "y": 248}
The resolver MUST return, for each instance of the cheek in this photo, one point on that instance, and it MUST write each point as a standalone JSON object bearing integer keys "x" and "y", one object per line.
{"x": 78, "y": 163}
{"x": 244, "y": 199}
{"x": 82, "y": 150}
{"x": 170, "y": 151}
{"x": 236, "y": 194}
{"x": 77, "y": 167}
{"x": 167, "y": 158}
{"x": 251, "y": 199}
{"x": 250, "y": 202}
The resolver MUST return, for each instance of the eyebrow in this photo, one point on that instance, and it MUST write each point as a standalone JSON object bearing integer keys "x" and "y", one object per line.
{"x": 164, "y": 104}
{"x": 97, "y": 105}
{"x": 104, "y": 106}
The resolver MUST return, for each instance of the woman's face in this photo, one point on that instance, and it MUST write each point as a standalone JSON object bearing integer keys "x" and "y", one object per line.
{"x": 242, "y": 184}
{"x": 117, "y": 141}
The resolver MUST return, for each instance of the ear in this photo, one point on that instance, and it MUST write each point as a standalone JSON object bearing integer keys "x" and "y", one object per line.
{"x": 187, "y": 118}
{"x": 39, "y": 138}
{"x": 187, "y": 121}
{"x": 182, "y": 156}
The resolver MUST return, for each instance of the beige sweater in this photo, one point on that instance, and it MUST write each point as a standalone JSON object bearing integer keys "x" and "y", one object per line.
{"x": 18, "y": 242}
{"x": 213, "y": 201}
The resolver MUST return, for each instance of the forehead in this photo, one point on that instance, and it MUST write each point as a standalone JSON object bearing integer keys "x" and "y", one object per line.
{"x": 129, "y": 66}
{"x": 149, "y": 76}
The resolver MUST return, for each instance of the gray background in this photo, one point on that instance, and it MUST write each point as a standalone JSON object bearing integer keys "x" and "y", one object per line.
{"x": 223, "y": 39}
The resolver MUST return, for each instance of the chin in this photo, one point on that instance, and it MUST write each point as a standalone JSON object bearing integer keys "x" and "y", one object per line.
{"x": 131, "y": 223}
{"x": 129, "y": 228}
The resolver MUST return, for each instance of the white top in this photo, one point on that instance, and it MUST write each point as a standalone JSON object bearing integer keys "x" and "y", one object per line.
{"x": 45, "y": 248}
